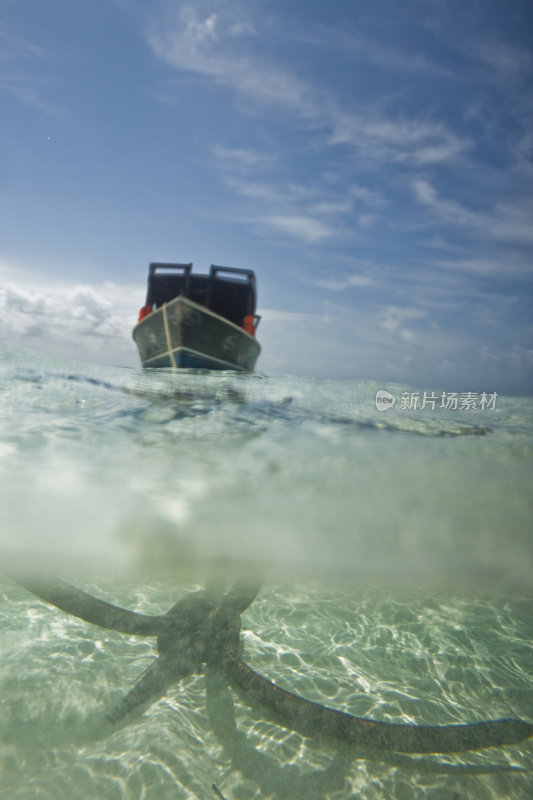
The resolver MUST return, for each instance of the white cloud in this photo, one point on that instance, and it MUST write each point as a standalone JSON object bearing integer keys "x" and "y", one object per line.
{"x": 199, "y": 31}
{"x": 308, "y": 229}
{"x": 358, "y": 47}
{"x": 23, "y": 90}
{"x": 14, "y": 46}
{"x": 241, "y": 159}
{"x": 509, "y": 63}
{"x": 511, "y": 222}
{"x": 79, "y": 321}
{"x": 523, "y": 152}
{"x": 204, "y": 46}
{"x": 489, "y": 266}
{"x": 369, "y": 197}
{"x": 277, "y": 315}
{"x": 21, "y": 73}
{"x": 365, "y": 221}
{"x": 392, "y": 320}
{"x": 208, "y": 47}
{"x": 412, "y": 141}
{"x": 392, "y": 343}
{"x": 349, "y": 281}
{"x": 515, "y": 360}
{"x": 309, "y": 212}
{"x": 241, "y": 29}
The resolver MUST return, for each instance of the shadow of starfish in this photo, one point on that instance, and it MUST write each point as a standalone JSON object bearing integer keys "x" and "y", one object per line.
{"x": 289, "y": 780}
{"x": 204, "y": 628}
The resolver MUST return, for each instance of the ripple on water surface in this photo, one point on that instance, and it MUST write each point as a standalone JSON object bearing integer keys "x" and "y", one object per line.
{"x": 151, "y": 474}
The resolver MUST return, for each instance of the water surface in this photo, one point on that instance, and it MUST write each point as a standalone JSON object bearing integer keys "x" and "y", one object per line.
{"x": 395, "y": 548}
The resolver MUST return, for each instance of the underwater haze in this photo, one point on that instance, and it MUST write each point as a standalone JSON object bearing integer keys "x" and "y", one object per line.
{"x": 394, "y": 547}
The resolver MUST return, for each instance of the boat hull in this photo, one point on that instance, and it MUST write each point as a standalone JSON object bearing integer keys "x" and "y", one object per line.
{"x": 184, "y": 334}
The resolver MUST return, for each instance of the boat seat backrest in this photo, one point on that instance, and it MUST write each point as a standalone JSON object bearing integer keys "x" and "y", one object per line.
{"x": 233, "y": 300}
{"x": 164, "y": 288}
{"x": 231, "y": 295}
{"x": 198, "y": 288}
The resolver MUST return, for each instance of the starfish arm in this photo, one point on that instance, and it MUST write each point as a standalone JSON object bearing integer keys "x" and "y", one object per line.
{"x": 241, "y": 595}
{"x": 314, "y": 719}
{"x": 85, "y": 606}
{"x": 152, "y": 684}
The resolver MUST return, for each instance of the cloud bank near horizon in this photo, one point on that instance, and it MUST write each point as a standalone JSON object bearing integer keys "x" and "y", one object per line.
{"x": 392, "y": 344}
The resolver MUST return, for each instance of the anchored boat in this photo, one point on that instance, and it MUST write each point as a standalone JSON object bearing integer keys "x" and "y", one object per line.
{"x": 198, "y": 321}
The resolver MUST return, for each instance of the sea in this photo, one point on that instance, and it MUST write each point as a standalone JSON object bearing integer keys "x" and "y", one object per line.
{"x": 390, "y": 529}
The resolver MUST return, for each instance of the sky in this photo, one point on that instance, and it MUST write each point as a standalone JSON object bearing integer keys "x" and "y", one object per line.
{"x": 370, "y": 160}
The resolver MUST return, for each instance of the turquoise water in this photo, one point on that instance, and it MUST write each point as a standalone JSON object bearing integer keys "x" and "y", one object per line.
{"x": 395, "y": 548}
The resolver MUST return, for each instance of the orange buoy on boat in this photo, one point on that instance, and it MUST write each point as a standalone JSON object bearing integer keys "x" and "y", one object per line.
{"x": 248, "y": 324}
{"x": 145, "y": 310}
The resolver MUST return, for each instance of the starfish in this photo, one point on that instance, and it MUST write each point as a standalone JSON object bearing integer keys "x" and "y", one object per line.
{"x": 203, "y": 628}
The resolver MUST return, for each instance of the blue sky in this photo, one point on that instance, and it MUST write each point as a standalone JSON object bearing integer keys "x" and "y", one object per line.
{"x": 370, "y": 160}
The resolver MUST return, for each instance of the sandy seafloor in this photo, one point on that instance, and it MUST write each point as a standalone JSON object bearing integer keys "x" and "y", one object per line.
{"x": 395, "y": 548}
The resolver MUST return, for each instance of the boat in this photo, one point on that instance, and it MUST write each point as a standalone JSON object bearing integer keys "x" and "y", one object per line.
{"x": 194, "y": 321}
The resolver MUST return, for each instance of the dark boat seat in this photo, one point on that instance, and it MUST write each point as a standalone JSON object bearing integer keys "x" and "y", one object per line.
{"x": 231, "y": 294}
{"x": 167, "y": 281}
{"x": 232, "y": 297}
{"x": 198, "y": 288}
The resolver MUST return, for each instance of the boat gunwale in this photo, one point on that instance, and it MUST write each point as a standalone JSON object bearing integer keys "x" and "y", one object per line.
{"x": 196, "y": 306}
